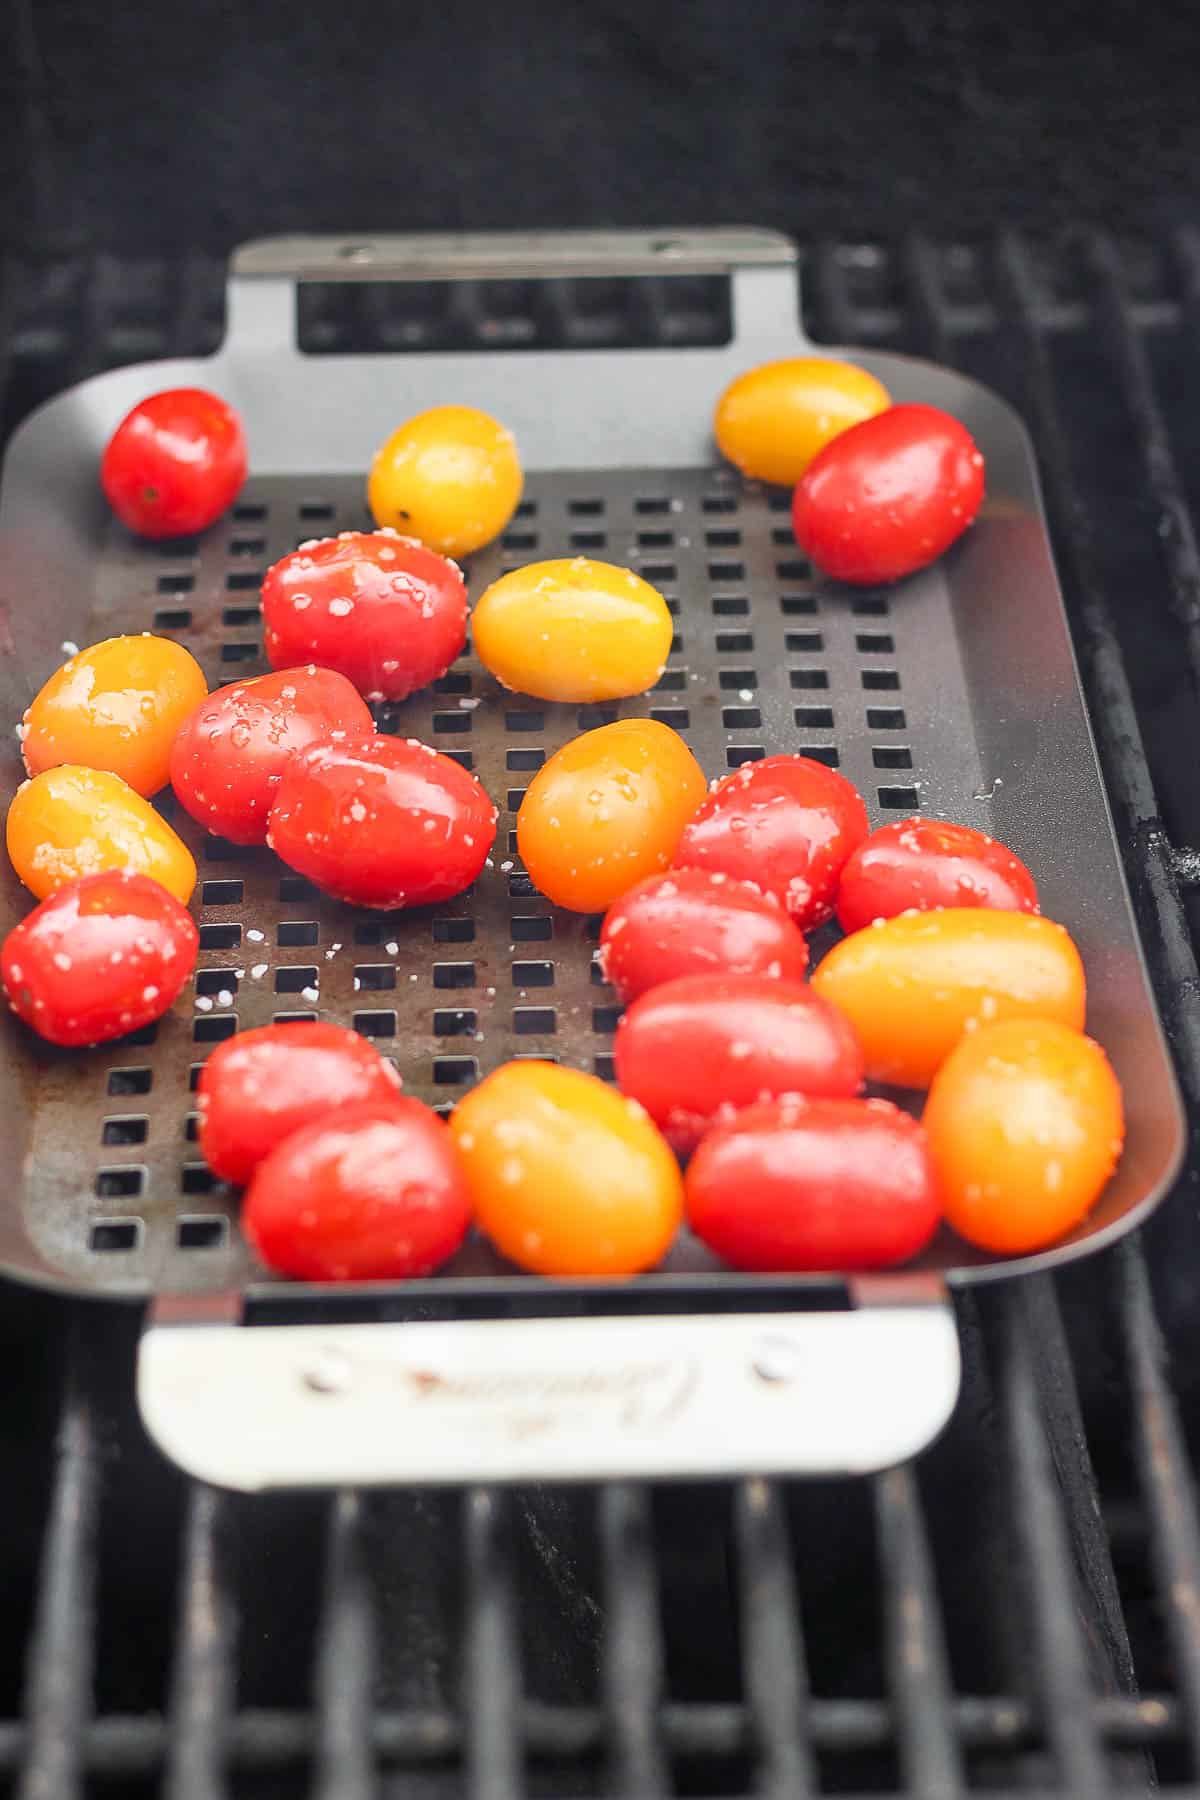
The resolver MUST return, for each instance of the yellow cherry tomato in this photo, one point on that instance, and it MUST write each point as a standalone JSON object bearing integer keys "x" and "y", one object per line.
{"x": 567, "y": 1176}
{"x": 573, "y": 630}
{"x": 1025, "y": 1125}
{"x": 774, "y": 419}
{"x": 117, "y": 706}
{"x": 449, "y": 476}
{"x": 72, "y": 821}
{"x": 912, "y": 985}
{"x": 606, "y": 810}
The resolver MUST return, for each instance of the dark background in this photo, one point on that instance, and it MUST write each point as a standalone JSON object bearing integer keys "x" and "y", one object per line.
{"x": 148, "y": 126}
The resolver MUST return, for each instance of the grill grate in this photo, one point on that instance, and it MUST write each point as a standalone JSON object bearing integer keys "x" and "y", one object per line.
{"x": 1015, "y": 1615}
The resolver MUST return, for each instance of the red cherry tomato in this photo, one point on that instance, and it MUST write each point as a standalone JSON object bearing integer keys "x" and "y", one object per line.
{"x": 697, "y": 1049}
{"x": 175, "y": 463}
{"x": 229, "y": 755}
{"x": 382, "y": 821}
{"x": 888, "y": 496}
{"x": 259, "y": 1087}
{"x": 103, "y": 955}
{"x": 814, "y": 1184}
{"x": 376, "y": 1193}
{"x": 925, "y": 863}
{"x": 695, "y": 922}
{"x": 383, "y": 610}
{"x": 786, "y": 825}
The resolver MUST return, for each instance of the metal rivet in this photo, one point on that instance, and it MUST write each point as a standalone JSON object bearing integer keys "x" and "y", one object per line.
{"x": 327, "y": 1372}
{"x": 776, "y": 1359}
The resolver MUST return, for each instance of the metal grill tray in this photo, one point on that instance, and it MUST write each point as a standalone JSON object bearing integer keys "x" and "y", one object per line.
{"x": 955, "y": 695}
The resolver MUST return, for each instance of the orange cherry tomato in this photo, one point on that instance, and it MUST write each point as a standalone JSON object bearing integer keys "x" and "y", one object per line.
{"x": 1025, "y": 1125}
{"x": 573, "y": 629}
{"x": 450, "y": 476}
{"x": 567, "y": 1176}
{"x": 912, "y": 985}
{"x": 72, "y": 821}
{"x": 117, "y": 706}
{"x": 607, "y": 810}
{"x": 774, "y": 419}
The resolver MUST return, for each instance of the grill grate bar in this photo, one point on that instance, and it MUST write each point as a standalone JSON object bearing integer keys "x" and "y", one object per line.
{"x": 345, "y": 1660}
{"x": 59, "y": 1676}
{"x": 493, "y": 1674}
{"x": 633, "y": 1668}
{"x": 929, "y": 1756}
{"x": 773, "y": 1647}
{"x": 1062, "y": 1679}
{"x": 202, "y": 1697}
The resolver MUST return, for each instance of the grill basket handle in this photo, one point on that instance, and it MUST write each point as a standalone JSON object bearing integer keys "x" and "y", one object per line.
{"x": 551, "y": 1399}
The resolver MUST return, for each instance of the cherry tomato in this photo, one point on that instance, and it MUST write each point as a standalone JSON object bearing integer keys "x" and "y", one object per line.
{"x": 382, "y": 610}
{"x": 117, "y": 706}
{"x": 102, "y": 956}
{"x": 573, "y": 630}
{"x": 606, "y": 810}
{"x": 787, "y": 825}
{"x": 912, "y": 986}
{"x": 1025, "y": 1126}
{"x": 381, "y": 821}
{"x": 926, "y": 863}
{"x": 451, "y": 476}
{"x": 889, "y": 496}
{"x": 774, "y": 419}
{"x": 814, "y": 1184}
{"x": 229, "y": 755}
{"x": 567, "y": 1177}
{"x": 696, "y": 1049}
{"x": 693, "y": 922}
{"x": 72, "y": 821}
{"x": 259, "y": 1087}
{"x": 175, "y": 463}
{"x": 373, "y": 1194}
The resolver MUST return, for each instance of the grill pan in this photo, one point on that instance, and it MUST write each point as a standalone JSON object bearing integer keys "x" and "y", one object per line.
{"x": 955, "y": 695}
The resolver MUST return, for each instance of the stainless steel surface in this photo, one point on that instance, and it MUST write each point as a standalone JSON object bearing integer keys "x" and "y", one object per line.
{"x": 955, "y": 693}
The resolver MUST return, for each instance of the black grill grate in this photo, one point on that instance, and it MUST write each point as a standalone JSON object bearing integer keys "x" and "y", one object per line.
{"x": 1017, "y": 1614}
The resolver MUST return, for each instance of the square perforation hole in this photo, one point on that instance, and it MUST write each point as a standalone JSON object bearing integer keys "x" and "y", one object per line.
{"x": 718, "y": 503}
{"x": 814, "y": 718}
{"x": 175, "y": 584}
{"x": 454, "y": 975}
{"x": 588, "y": 540}
{"x": 519, "y": 540}
{"x": 211, "y": 982}
{"x": 730, "y": 606}
{"x": 297, "y": 979}
{"x": 527, "y": 510}
{"x": 250, "y": 509}
{"x": 783, "y": 534}
{"x": 520, "y": 887}
{"x": 234, "y": 653}
{"x": 822, "y": 753}
{"x": 585, "y": 508}
{"x": 248, "y": 546}
{"x": 107, "y": 1235}
{"x": 463, "y": 758}
{"x": 458, "y": 681}
{"x": 241, "y": 615}
{"x": 733, "y": 643}
{"x": 296, "y": 932}
{"x": 677, "y": 717}
{"x": 737, "y": 754}
{"x": 649, "y": 504}
{"x": 779, "y": 503}
{"x": 374, "y": 978}
{"x": 196, "y": 1178}
{"x": 380, "y": 1024}
{"x": 596, "y": 973}
{"x": 453, "y": 931}
{"x": 118, "y": 1184}
{"x": 294, "y": 1018}
{"x": 604, "y": 1066}
{"x": 221, "y": 893}
{"x": 899, "y": 799}
{"x": 795, "y": 569}
{"x": 514, "y": 799}
{"x": 524, "y": 759}
{"x": 214, "y": 1028}
{"x": 315, "y": 509}
{"x": 880, "y": 680}
{"x": 887, "y": 718}
{"x": 147, "y": 1035}
{"x": 738, "y": 678}
{"x": 741, "y": 718}
{"x": 892, "y": 756}
{"x": 655, "y": 540}
{"x": 219, "y": 849}
{"x": 671, "y": 681}
{"x": 460, "y": 1021}
{"x": 455, "y": 1071}
{"x": 726, "y": 538}
{"x": 803, "y": 642}
{"x": 194, "y": 1074}
{"x": 132, "y": 1130}
{"x": 452, "y": 721}
{"x": 676, "y": 645}
{"x": 588, "y": 717}
{"x": 294, "y": 887}
{"x": 191, "y": 1127}
{"x": 874, "y": 643}
{"x": 659, "y": 571}
{"x": 524, "y": 721}
{"x": 244, "y": 581}
{"x": 531, "y": 1021}
{"x": 531, "y": 928}
{"x": 532, "y": 974}
{"x": 808, "y": 678}
{"x": 798, "y": 605}
{"x": 174, "y": 618}
{"x": 130, "y": 1081}
{"x": 869, "y": 606}
{"x": 726, "y": 571}
{"x": 606, "y": 1018}
{"x": 202, "y": 1233}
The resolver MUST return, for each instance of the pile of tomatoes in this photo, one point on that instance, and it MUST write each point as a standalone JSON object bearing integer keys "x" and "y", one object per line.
{"x": 741, "y": 1075}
